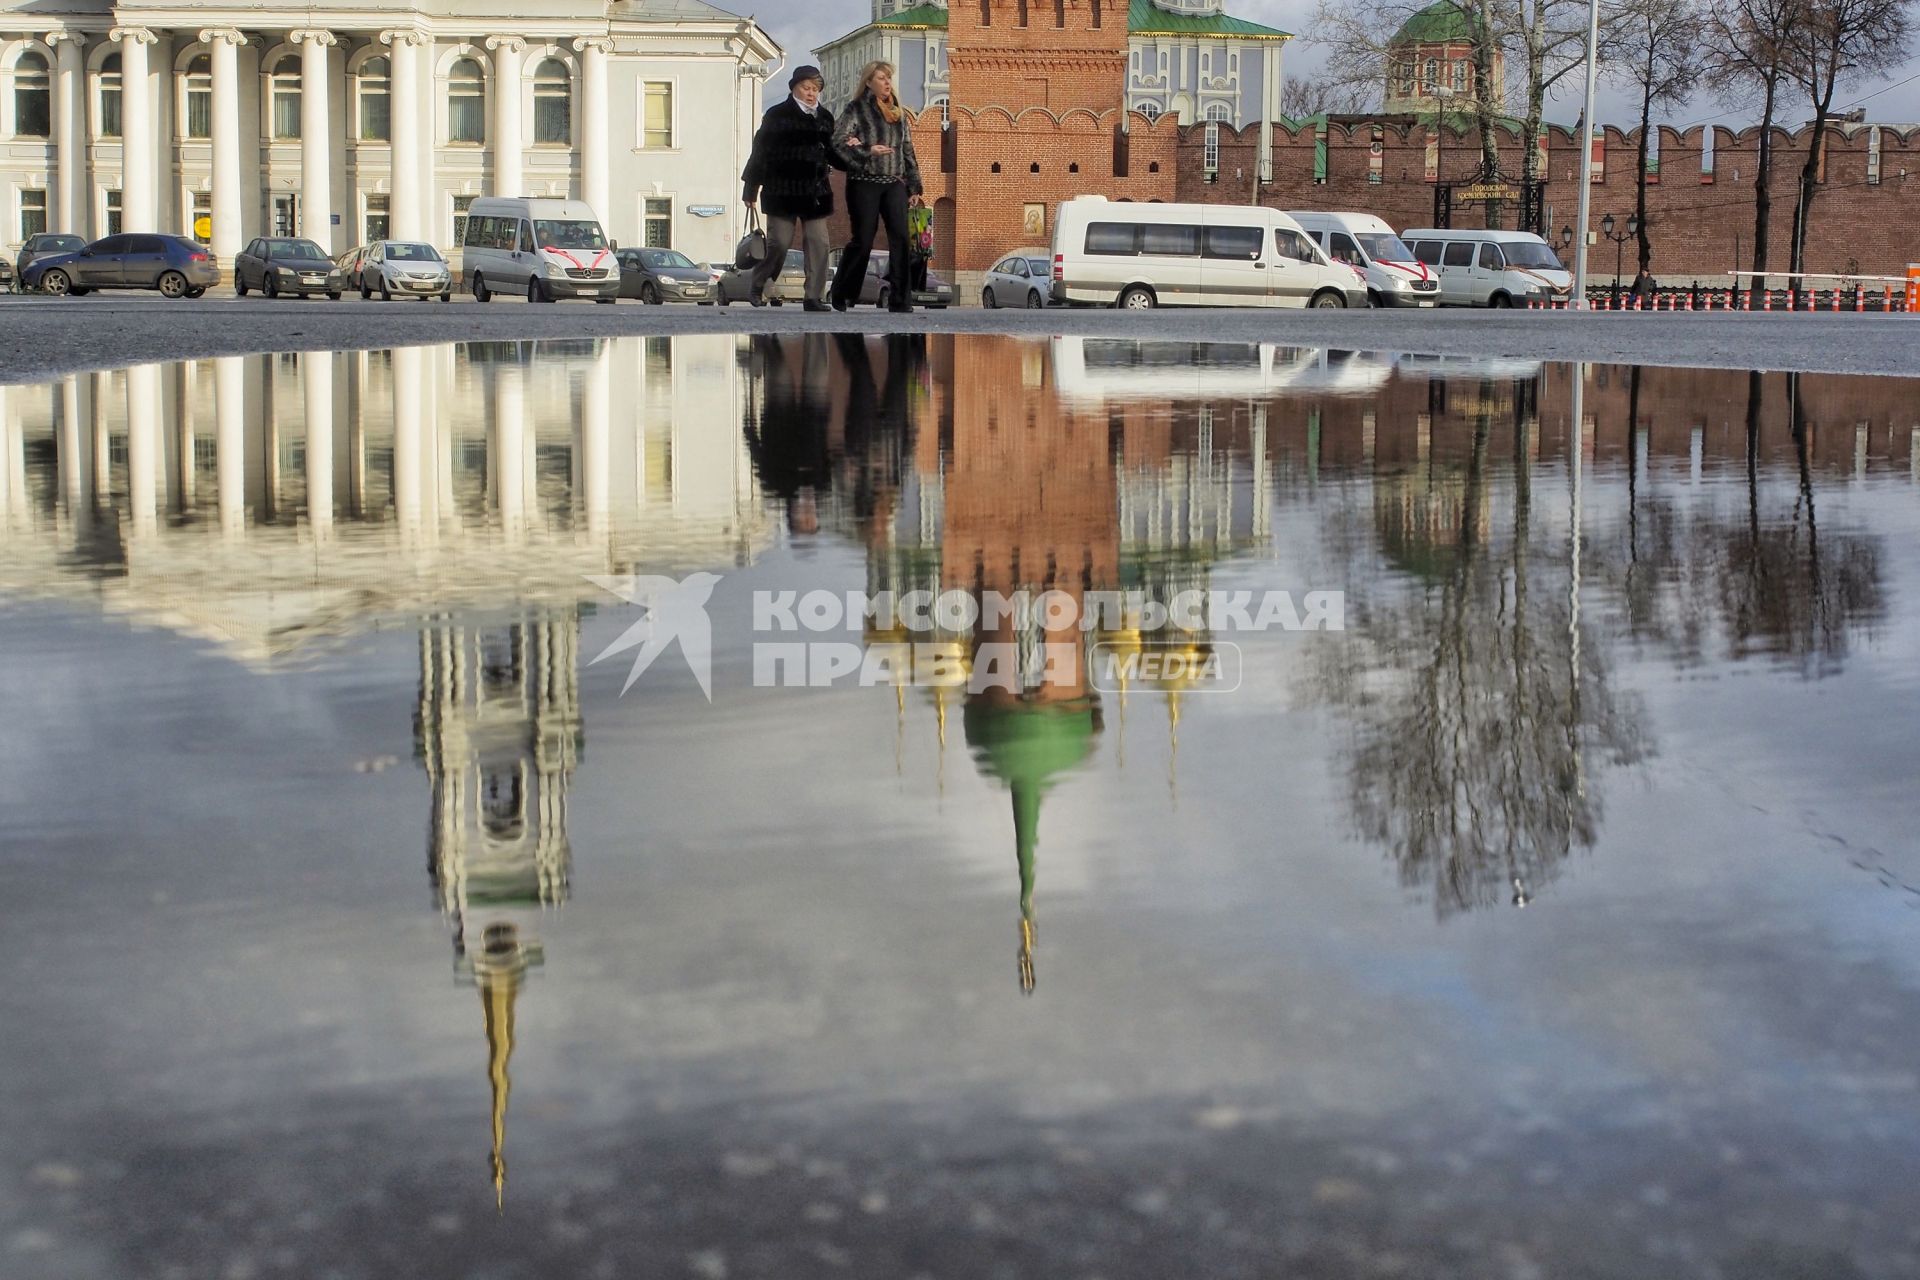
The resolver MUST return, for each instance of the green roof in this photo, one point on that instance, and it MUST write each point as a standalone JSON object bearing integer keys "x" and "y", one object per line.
{"x": 1144, "y": 18}
{"x": 1440, "y": 22}
{"x": 920, "y": 17}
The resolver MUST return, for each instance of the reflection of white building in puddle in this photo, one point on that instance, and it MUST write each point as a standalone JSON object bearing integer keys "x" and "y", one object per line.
{"x": 268, "y": 501}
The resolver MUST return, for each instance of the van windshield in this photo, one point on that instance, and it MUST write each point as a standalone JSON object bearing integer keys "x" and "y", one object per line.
{"x": 556, "y": 234}
{"x": 1383, "y": 246}
{"x": 1532, "y": 254}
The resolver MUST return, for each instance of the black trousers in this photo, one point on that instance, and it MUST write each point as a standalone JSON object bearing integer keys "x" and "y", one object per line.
{"x": 868, "y": 205}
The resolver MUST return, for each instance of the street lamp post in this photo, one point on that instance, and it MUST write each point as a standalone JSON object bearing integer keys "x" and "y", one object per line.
{"x": 1586, "y": 157}
{"x": 1566, "y": 239}
{"x": 1619, "y": 244}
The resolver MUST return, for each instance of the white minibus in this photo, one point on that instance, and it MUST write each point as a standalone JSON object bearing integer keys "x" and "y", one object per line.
{"x": 1133, "y": 255}
{"x": 1395, "y": 278}
{"x": 542, "y": 249}
{"x": 1491, "y": 268}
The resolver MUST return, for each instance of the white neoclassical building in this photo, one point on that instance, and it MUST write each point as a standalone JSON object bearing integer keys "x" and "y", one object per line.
{"x": 368, "y": 118}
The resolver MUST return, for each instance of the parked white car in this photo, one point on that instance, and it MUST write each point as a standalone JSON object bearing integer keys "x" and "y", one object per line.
{"x": 1491, "y": 268}
{"x": 1024, "y": 278}
{"x": 543, "y": 249}
{"x": 1395, "y": 278}
{"x": 1140, "y": 255}
{"x": 409, "y": 268}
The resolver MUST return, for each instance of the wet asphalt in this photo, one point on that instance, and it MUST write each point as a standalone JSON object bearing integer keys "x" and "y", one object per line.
{"x": 41, "y": 338}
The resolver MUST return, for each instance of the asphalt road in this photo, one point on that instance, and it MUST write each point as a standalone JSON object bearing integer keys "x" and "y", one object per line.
{"x": 43, "y": 337}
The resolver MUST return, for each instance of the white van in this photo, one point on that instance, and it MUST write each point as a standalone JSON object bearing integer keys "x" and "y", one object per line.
{"x": 1394, "y": 277}
{"x": 1125, "y": 254}
{"x": 1113, "y": 370}
{"x": 1491, "y": 268}
{"x": 540, "y": 249}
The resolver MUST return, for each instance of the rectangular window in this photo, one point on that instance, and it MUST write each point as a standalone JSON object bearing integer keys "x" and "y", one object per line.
{"x": 112, "y": 209}
{"x": 377, "y": 221}
{"x": 1210, "y": 149}
{"x": 1170, "y": 241}
{"x": 1873, "y": 155}
{"x": 659, "y": 222}
{"x": 286, "y": 111}
{"x": 1457, "y": 255}
{"x": 656, "y": 114}
{"x": 33, "y": 212}
{"x": 1234, "y": 244}
{"x": 1427, "y": 251}
{"x": 460, "y": 206}
{"x": 110, "y": 109}
{"x": 466, "y": 118}
{"x": 1113, "y": 239}
{"x": 32, "y": 98}
{"x": 553, "y": 118}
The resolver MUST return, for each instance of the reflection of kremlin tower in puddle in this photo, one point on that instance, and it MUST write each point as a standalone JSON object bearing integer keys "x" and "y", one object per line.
{"x": 1014, "y": 489}
{"x": 499, "y": 731}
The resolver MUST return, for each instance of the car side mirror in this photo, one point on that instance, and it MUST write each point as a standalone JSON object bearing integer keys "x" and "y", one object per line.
{"x": 613, "y": 244}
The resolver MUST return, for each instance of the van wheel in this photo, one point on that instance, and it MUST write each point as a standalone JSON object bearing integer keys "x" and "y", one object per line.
{"x": 537, "y": 290}
{"x": 987, "y": 299}
{"x": 480, "y": 291}
{"x": 1327, "y": 299}
{"x": 1500, "y": 301}
{"x": 1374, "y": 299}
{"x": 1033, "y": 300}
{"x": 1137, "y": 298}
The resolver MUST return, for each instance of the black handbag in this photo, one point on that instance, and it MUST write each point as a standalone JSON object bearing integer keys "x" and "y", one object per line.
{"x": 752, "y": 249}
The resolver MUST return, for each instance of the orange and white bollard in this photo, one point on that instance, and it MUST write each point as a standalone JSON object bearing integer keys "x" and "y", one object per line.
{"x": 1766, "y": 299}
{"x": 1859, "y": 297}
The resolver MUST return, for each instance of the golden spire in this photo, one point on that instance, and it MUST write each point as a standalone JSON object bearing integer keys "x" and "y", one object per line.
{"x": 497, "y": 995}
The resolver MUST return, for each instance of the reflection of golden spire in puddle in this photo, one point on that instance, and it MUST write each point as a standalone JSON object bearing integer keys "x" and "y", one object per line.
{"x": 940, "y": 726}
{"x": 497, "y": 995}
{"x": 1173, "y": 747}
{"x": 899, "y": 729}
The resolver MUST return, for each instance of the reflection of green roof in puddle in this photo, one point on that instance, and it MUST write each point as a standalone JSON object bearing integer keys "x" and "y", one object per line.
{"x": 1029, "y": 745}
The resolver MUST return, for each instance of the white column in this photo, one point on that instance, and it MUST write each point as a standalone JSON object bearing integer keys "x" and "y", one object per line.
{"x": 72, "y": 209}
{"x": 222, "y": 43}
{"x": 508, "y": 148}
{"x": 316, "y": 135}
{"x": 143, "y": 446}
{"x": 407, "y": 476}
{"x": 510, "y": 449}
{"x": 410, "y": 130}
{"x": 596, "y": 432}
{"x": 138, "y": 208}
{"x": 76, "y": 486}
{"x": 230, "y": 442}
{"x": 596, "y": 186}
{"x": 316, "y": 379}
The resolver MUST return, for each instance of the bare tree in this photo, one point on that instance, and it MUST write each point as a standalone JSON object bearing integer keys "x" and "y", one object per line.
{"x": 1306, "y": 96}
{"x": 1549, "y": 37}
{"x": 1839, "y": 42}
{"x": 1746, "y": 53}
{"x": 1659, "y": 55}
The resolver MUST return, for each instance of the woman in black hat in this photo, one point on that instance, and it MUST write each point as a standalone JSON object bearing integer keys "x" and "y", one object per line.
{"x": 792, "y": 156}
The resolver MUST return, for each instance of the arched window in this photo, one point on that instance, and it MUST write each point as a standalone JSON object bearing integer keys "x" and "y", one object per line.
{"x": 1148, "y": 108}
{"x": 466, "y": 102}
{"x": 198, "y": 91}
{"x": 32, "y": 97}
{"x": 375, "y": 91}
{"x": 1431, "y": 80}
{"x": 1218, "y": 113}
{"x": 552, "y": 103}
{"x": 283, "y": 90}
{"x": 106, "y": 105}
{"x": 1460, "y": 75}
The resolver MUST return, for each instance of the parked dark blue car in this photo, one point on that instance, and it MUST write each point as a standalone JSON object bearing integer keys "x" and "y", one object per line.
{"x": 177, "y": 267}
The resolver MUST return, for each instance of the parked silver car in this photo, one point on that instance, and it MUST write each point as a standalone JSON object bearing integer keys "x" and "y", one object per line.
{"x": 789, "y": 286}
{"x": 1023, "y": 278}
{"x": 410, "y": 268}
{"x": 876, "y": 290}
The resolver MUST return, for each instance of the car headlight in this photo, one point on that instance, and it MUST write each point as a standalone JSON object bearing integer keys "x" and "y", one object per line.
{"x": 556, "y": 269}
{"x": 286, "y": 271}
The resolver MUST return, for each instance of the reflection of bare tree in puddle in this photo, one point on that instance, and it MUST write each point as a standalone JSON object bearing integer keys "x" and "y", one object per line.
{"x": 1771, "y": 585}
{"x": 1478, "y": 703}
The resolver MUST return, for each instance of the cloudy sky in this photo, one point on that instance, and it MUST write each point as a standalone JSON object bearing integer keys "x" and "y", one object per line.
{"x": 803, "y": 25}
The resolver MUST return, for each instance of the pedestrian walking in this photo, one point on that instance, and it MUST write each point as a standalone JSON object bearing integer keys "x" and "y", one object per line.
{"x": 874, "y": 141}
{"x": 793, "y": 153}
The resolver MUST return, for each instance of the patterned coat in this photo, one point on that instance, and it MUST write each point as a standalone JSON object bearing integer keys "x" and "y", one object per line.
{"x": 792, "y": 156}
{"x": 862, "y": 119}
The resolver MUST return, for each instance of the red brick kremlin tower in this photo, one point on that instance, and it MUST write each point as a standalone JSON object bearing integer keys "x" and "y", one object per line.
{"x": 1037, "y": 115}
